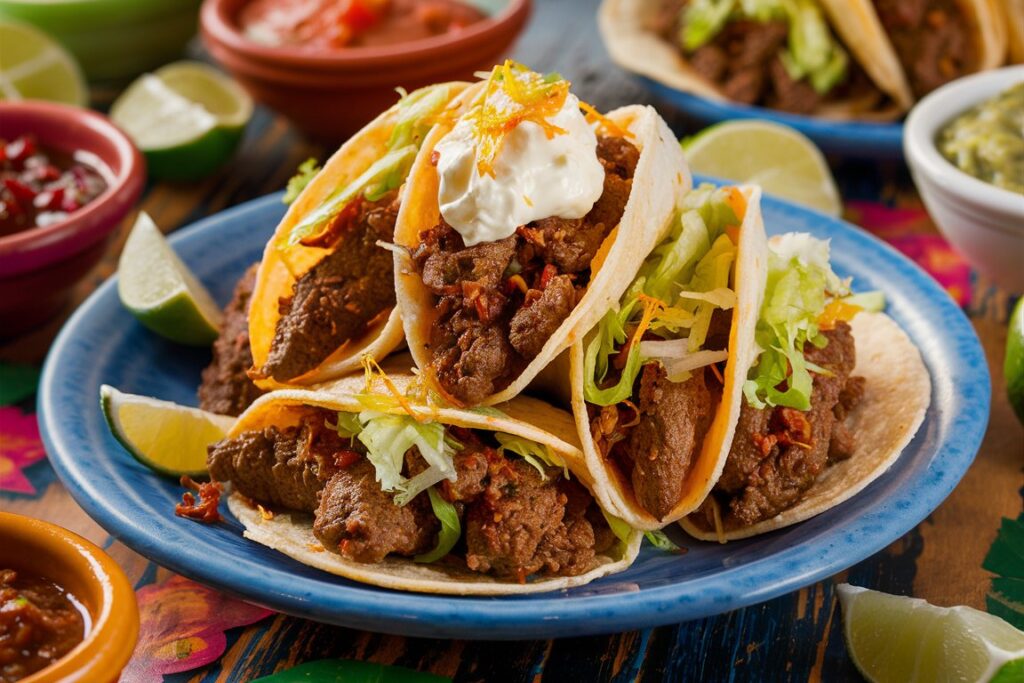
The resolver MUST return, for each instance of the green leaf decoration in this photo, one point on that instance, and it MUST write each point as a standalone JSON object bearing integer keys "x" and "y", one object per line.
{"x": 1005, "y": 558}
{"x": 17, "y": 382}
{"x": 348, "y": 671}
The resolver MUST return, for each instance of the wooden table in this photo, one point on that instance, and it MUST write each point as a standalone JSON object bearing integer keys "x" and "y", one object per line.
{"x": 795, "y": 637}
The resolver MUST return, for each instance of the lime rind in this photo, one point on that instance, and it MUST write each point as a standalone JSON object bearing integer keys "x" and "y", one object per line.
{"x": 33, "y": 66}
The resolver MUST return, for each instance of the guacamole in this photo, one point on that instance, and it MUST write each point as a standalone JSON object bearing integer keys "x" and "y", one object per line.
{"x": 987, "y": 141}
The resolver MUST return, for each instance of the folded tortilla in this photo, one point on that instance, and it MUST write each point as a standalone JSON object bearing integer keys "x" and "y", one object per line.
{"x": 292, "y": 533}
{"x": 633, "y": 46}
{"x": 613, "y": 487}
{"x": 1011, "y": 16}
{"x": 661, "y": 177}
{"x": 897, "y": 393}
{"x": 281, "y": 268}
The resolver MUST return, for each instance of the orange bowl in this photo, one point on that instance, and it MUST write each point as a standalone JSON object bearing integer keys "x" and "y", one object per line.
{"x": 330, "y": 94}
{"x": 92, "y": 576}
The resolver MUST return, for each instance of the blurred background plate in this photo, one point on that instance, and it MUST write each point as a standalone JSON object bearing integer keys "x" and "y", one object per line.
{"x": 102, "y": 343}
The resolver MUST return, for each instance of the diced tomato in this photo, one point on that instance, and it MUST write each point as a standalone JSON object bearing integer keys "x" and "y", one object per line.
{"x": 359, "y": 15}
{"x": 549, "y": 272}
{"x": 19, "y": 190}
{"x": 346, "y": 457}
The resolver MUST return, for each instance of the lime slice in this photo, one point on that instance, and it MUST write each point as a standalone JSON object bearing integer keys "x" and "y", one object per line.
{"x": 164, "y": 436}
{"x": 1013, "y": 364}
{"x": 161, "y": 292}
{"x": 895, "y": 638}
{"x": 33, "y": 66}
{"x": 187, "y": 118}
{"x": 783, "y": 161}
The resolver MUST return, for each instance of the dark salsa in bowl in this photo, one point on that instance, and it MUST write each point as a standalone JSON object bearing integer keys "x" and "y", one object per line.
{"x": 40, "y": 622}
{"x": 40, "y": 186}
{"x": 334, "y": 24}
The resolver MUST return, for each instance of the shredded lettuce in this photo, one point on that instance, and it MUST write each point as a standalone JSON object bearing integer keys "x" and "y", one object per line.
{"x": 451, "y": 528}
{"x": 688, "y": 273}
{"x": 348, "y": 425}
{"x": 619, "y": 527}
{"x": 416, "y": 113}
{"x": 536, "y": 455}
{"x": 704, "y": 19}
{"x": 800, "y": 284}
{"x": 873, "y": 301}
{"x": 661, "y": 541}
{"x": 297, "y": 183}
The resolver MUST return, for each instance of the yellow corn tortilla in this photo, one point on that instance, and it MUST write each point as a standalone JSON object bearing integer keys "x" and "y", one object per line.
{"x": 280, "y": 269}
{"x": 897, "y": 393}
{"x": 661, "y": 177}
{"x": 613, "y": 488}
{"x": 292, "y": 533}
{"x": 623, "y": 25}
{"x": 1010, "y": 15}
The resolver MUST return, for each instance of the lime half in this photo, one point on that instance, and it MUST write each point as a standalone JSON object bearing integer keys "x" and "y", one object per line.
{"x": 161, "y": 292}
{"x": 33, "y": 66}
{"x": 186, "y": 117}
{"x": 895, "y": 638}
{"x": 783, "y": 161}
{"x": 164, "y": 436}
{"x": 1013, "y": 364}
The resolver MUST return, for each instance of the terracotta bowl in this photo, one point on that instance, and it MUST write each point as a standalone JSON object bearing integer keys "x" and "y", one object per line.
{"x": 331, "y": 94}
{"x": 67, "y": 559}
{"x": 38, "y": 267}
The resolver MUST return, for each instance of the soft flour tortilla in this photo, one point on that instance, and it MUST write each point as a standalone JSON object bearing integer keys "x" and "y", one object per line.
{"x": 896, "y": 395}
{"x": 292, "y": 533}
{"x": 661, "y": 177}
{"x": 280, "y": 269}
{"x": 613, "y": 487}
{"x": 1011, "y": 14}
{"x": 623, "y": 25}
{"x": 858, "y": 24}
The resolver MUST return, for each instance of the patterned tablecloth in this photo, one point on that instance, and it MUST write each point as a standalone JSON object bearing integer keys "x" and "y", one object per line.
{"x": 190, "y": 632}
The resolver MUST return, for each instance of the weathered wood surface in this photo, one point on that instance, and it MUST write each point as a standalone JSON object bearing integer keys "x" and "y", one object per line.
{"x": 796, "y": 637}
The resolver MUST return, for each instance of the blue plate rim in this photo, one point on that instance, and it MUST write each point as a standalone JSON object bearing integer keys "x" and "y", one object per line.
{"x": 425, "y": 615}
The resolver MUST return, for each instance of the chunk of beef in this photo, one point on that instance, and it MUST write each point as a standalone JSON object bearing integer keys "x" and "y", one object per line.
{"x": 336, "y": 300}
{"x": 798, "y": 97}
{"x": 711, "y": 61}
{"x": 674, "y": 417}
{"x": 533, "y": 324}
{"x": 358, "y": 520}
{"x": 617, "y": 155}
{"x": 472, "y": 359}
{"x": 226, "y": 388}
{"x": 569, "y": 548}
{"x": 609, "y": 208}
{"x": 446, "y": 261}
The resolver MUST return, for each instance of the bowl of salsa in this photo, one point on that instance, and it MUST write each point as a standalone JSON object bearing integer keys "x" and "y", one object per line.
{"x": 330, "y": 65}
{"x": 67, "y": 611}
{"x": 68, "y": 177}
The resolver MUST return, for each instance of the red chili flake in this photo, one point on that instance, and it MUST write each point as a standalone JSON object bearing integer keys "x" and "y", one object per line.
{"x": 435, "y": 157}
{"x": 796, "y": 429}
{"x": 333, "y": 231}
{"x": 209, "y": 497}
{"x": 549, "y": 272}
{"x": 346, "y": 457}
{"x": 531, "y": 235}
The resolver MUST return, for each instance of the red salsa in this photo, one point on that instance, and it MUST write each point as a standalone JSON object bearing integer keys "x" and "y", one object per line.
{"x": 41, "y": 187}
{"x": 40, "y": 622}
{"x": 332, "y": 24}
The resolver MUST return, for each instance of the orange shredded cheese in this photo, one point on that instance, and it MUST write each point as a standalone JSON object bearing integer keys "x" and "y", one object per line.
{"x": 835, "y": 311}
{"x": 514, "y": 94}
{"x": 264, "y": 512}
{"x": 652, "y": 307}
{"x": 738, "y": 203}
{"x": 594, "y": 116}
{"x": 371, "y": 366}
{"x": 520, "y": 283}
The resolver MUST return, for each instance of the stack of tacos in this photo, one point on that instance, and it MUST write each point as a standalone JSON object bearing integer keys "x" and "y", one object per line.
{"x": 715, "y": 379}
{"x": 862, "y": 59}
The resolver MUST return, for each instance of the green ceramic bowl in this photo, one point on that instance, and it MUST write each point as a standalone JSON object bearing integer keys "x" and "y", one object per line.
{"x": 113, "y": 40}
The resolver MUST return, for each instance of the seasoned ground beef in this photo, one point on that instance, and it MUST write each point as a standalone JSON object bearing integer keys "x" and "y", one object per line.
{"x": 778, "y": 453}
{"x": 517, "y": 523}
{"x": 226, "y": 388}
{"x": 932, "y": 39}
{"x": 498, "y": 303}
{"x": 336, "y": 300}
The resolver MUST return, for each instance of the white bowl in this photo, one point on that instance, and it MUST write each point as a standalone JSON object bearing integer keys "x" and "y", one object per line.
{"x": 984, "y": 222}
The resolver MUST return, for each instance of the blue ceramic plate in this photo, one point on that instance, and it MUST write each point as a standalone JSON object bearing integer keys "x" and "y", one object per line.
{"x": 102, "y": 343}
{"x": 861, "y": 139}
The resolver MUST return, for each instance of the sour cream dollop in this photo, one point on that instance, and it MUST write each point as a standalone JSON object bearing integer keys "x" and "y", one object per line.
{"x": 534, "y": 177}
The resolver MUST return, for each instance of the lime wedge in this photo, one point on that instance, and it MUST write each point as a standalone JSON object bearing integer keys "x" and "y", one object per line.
{"x": 161, "y": 292}
{"x": 33, "y": 66}
{"x": 895, "y": 638}
{"x": 1013, "y": 364}
{"x": 186, "y": 117}
{"x": 164, "y": 436}
{"x": 783, "y": 161}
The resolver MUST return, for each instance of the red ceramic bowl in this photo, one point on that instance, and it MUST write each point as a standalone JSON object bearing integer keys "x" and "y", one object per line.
{"x": 332, "y": 93}
{"x": 38, "y": 267}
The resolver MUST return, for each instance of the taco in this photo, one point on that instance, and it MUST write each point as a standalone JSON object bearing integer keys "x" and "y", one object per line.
{"x": 324, "y": 292}
{"x": 1011, "y": 14}
{"x": 656, "y": 386}
{"x": 835, "y": 394}
{"x": 788, "y": 55}
{"x": 523, "y": 219}
{"x": 370, "y": 480}
{"x": 935, "y": 41}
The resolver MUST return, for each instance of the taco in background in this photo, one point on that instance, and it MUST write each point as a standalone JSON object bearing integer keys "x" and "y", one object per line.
{"x": 324, "y": 292}
{"x": 935, "y": 41}
{"x": 367, "y": 479}
{"x": 1012, "y": 14}
{"x": 780, "y": 54}
{"x": 656, "y": 386}
{"x": 524, "y": 220}
{"x": 834, "y": 396}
